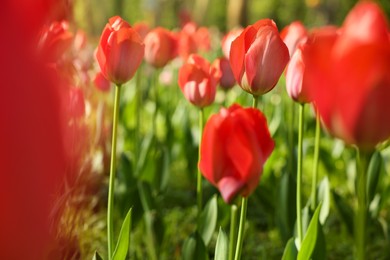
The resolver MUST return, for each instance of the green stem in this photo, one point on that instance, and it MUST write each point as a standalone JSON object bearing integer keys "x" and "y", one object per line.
{"x": 255, "y": 101}
{"x": 110, "y": 208}
{"x": 199, "y": 191}
{"x": 241, "y": 227}
{"x": 232, "y": 236}
{"x": 362, "y": 162}
{"x": 315, "y": 164}
{"x": 138, "y": 113}
{"x": 155, "y": 86}
{"x": 299, "y": 174}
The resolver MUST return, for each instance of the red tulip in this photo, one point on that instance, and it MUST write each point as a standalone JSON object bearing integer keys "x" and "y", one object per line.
{"x": 55, "y": 39}
{"x": 348, "y": 74}
{"x": 258, "y": 57}
{"x": 160, "y": 47}
{"x": 228, "y": 39}
{"x": 202, "y": 39}
{"x": 198, "y": 80}
{"x": 293, "y": 35}
{"x": 227, "y": 80}
{"x": 142, "y": 29}
{"x": 295, "y": 77}
{"x": 235, "y": 145}
{"x": 120, "y": 51}
{"x": 101, "y": 82}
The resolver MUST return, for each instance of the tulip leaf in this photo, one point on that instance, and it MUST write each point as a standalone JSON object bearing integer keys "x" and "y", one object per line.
{"x": 122, "y": 246}
{"x": 290, "y": 251}
{"x": 345, "y": 211}
{"x": 287, "y": 209}
{"x": 313, "y": 244}
{"x": 96, "y": 256}
{"x": 194, "y": 248}
{"x": 207, "y": 221}
{"x": 145, "y": 150}
{"x": 222, "y": 246}
{"x": 373, "y": 173}
{"x": 324, "y": 198}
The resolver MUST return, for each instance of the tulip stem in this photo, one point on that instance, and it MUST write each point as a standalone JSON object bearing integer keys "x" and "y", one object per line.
{"x": 110, "y": 208}
{"x": 362, "y": 162}
{"x": 232, "y": 235}
{"x": 299, "y": 174}
{"x": 240, "y": 238}
{"x": 199, "y": 191}
{"x": 138, "y": 113}
{"x": 155, "y": 113}
{"x": 315, "y": 163}
{"x": 255, "y": 101}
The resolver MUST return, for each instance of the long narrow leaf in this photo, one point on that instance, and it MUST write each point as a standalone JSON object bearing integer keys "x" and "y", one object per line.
{"x": 122, "y": 246}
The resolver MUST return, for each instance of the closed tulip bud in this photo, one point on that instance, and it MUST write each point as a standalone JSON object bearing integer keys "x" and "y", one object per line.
{"x": 293, "y": 35}
{"x": 228, "y": 39}
{"x": 258, "y": 57}
{"x": 160, "y": 47}
{"x": 295, "y": 77}
{"x": 227, "y": 80}
{"x": 235, "y": 145}
{"x": 198, "y": 81}
{"x": 101, "y": 82}
{"x": 120, "y": 51}
{"x": 348, "y": 76}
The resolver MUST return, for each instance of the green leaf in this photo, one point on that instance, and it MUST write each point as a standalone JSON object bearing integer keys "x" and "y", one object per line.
{"x": 324, "y": 198}
{"x": 222, "y": 246}
{"x": 208, "y": 220}
{"x": 96, "y": 256}
{"x": 122, "y": 246}
{"x": 145, "y": 150}
{"x": 290, "y": 251}
{"x": 287, "y": 205}
{"x": 194, "y": 248}
{"x": 313, "y": 244}
{"x": 345, "y": 211}
{"x": 373, "y": 173}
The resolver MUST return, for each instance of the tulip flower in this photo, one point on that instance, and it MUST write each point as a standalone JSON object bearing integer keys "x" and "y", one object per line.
{"x": 101, "y": 82}
{"x": 293, "y": 35}
{"x": 198, "y": 81}
{"x": 120, "y": 51}
{"x": 258, "y": 57}
{"x": 295, "y": 80}
{"x": 228, "y": 39}
{"x": 235, "y": 145}
{"x": 142, "y": 29}
{"x": 227, "y": 80}
{"x": 348, "y": 74}
{"x": 160, "y": 47}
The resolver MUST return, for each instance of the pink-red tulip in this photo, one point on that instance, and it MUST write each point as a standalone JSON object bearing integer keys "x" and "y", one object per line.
{"x": 198, "y": 80}
{"x": 228, "y": 39}
{"x": 160, "y": 47}
{"x": 120, "y": 51}
{"x": 101, "y": 82}
{"x": 348, "y": 74}
{"x": 142, "y": 29}
{"x": 186, "y": 41}
{"x": 295, "y": 77}
{"x": 227, "y": 80}
{"x": 235, "y": 145}
{"x": 293, "y": 35}
{"x": 258, "y": 57}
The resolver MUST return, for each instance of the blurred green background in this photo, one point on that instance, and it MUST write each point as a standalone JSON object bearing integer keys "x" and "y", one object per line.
{"x": 91, "y": 15}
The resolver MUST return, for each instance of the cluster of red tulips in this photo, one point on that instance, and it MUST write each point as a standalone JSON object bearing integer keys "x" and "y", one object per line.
{"x": 342, "y": 72}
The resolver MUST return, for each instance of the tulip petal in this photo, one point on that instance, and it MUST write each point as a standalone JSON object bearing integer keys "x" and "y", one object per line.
{"x": 229, "y": 188}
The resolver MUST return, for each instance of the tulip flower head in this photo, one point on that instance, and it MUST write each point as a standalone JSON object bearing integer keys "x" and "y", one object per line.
{"x": 227, "y": 80}
{"x": 348, "y": 74}
{"x": 235, "y": 145}
{"x": 228, "y": 39}
{"x": 258, "y": 57}
{"x": 198, "y": 81}
{"x": 120, "y": 51}
{"x": 293, "y": 35}
{"x": 160, "y": 47}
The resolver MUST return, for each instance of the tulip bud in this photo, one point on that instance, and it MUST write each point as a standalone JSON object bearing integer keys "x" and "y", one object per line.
{"x": 235, "y": 145}
{"x": 120, "y": 51}
{"x": 160, "y": 47}
{"x": 198, "y": 81}
{"x": 227, "y": 80}
{"x": 258, "y": 57}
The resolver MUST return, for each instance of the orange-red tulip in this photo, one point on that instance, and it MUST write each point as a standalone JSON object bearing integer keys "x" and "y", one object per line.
{"x": 160, "y": 47}
{"x": 348, "y": 75}
{"x": 227, "y": 80}
{"x": 101, "y": 82}
{"x": 258, "y": 57}
{"x": 228, "y": 39}
{"x": 198, "y": 80}
{"x": 235, "y": 145}
{"x": 120, "y": 51}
